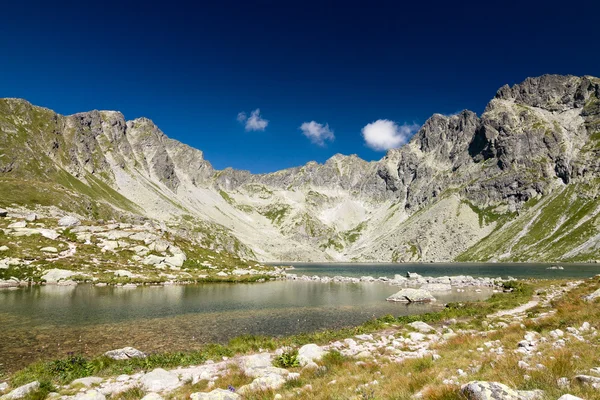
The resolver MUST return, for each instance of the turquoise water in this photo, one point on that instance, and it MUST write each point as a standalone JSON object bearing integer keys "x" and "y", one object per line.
{"x": 492, "y": 270}
{"x": 45, "y": 322}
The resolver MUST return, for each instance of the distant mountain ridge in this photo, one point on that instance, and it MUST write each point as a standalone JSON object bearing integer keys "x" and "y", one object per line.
{"x": 519, "y": 183}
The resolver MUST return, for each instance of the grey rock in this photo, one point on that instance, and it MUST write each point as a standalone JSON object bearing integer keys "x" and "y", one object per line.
{"x": 217, "y": 394}
{"x": 588, "y": 379}
{"x": 152, "y": 396}
{"x": 88, "y": 381}
{"x": 90, "y": 395}
{"x": 412, "y": 296}
{"x": 19, "y": 224}
{"x": 422, "y": 327}
{"x": 160, "y": 380}
{"x": 593, "y": 296}
{"x": 68, "y": 221}
{"x": 310, "y": 353}
{"x": 481, "y": 390}
{"x": 21, "y": 391}
{"x": 125, "y": 353}
{"x": 55, "y": 275}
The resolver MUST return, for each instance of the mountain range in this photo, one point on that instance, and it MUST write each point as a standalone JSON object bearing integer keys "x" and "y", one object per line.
{"x": 521, "y": 182}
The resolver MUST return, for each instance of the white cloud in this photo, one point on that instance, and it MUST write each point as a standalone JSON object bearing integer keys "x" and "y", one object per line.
{"x": 317, "y": 133}
{"x": 384, "y": 134}
{"x": 253, "y": 123}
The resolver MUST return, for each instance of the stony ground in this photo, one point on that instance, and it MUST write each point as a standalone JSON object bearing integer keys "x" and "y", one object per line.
{"x": 544, "y": 349}
{"x": 65, "y": 250}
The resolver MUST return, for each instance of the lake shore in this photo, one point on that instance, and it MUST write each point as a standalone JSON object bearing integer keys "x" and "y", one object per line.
{"x": 529, "y": 336}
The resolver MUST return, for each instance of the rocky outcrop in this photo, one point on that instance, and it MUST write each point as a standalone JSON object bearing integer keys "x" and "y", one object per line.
{"x": 466, "y": 187}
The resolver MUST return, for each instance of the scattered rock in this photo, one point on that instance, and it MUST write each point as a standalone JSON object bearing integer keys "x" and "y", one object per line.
{"x": 125, "y": 353}
{"x": 21, "y": 391}
{"x": 217, "y": 394}
{"x": 310, "y": 353}
{"x": 55, "y": 275}
{"x": 160, "y": 380}
{"x": 480, "y": 390}
{"x": 90, "y": 395}
{"x": 68, "y": 221}
{"x": 421, "y": 327}
{"x": 49, "y": 249}
{"x": 412, "y": 296}
{"x": 152, "y": 396}
{"x": 89, "y": 381}
{"x": 19, "y": 224}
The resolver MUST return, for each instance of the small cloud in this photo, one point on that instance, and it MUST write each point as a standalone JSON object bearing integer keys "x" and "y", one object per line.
{"x": 384, "y": 134}
{"x": 317, "y": 133}
{"x": 253, "y": 123}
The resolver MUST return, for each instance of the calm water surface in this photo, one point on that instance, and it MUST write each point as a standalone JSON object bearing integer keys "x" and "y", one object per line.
{"x": 492, "y": 270}
{"x": 44, "y": 322}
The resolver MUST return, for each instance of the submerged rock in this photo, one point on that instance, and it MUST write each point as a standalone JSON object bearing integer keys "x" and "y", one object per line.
{"x": 412, "y": 296}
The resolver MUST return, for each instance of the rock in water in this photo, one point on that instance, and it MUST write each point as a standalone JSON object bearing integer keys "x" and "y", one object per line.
{"x": 217, "y": 394}
{"x": 68, "y": 221}
{"x": 412, "y": 296}
{"x": 125, "y": 353}
{"x": 21, "y": 391}
{"x": 436, "y": 287}
{"x": 480, "y": 390}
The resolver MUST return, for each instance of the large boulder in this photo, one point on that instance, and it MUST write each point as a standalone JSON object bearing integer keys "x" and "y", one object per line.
{"x": 310, "y": 353}
{"x": 412, "y": 296}
{"x": 68, "y": 221}
{"x": 481, "y": 390}
{"x": 262, "y": 383}
{"x": 125, "y": 353}
{"x": 592, "y": 296}
{"x": 421, "y": 327}
{"x": 55, "y": 275}
{"x": 21, "y": 391}
{"x": 217, "y": 394}
{"x": 160, "y": 380}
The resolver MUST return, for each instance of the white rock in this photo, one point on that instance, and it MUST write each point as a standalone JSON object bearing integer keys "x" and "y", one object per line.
{"x": 421, "y": 327}
{"x": 68, "y": 221}
{"x": 569, "y": 397}
{"x": 125, "y": 353}
{"x": 55, "y": 275}
{"x": 19, "y": 224}
{"x": 160, "y": 380}
{"x": 3, "y": 387}
{"x": 4, "y": 248}
{"x": 22, "y": 391}
{"x": 217, "y": 394}
{"x": 90, "y": 395}
{"x": 152, "y": 396}
{"x": 88, "y": 381}
{"x": 310, "y": 353}
{"x": 411, "y": 296}
{"x": 49, "y": 249}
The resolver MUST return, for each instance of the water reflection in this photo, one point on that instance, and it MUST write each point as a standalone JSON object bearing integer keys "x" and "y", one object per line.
{"x": 50, "y": 321}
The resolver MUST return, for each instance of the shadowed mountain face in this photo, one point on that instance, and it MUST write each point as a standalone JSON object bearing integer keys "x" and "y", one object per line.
{"x": 519, "y": 183}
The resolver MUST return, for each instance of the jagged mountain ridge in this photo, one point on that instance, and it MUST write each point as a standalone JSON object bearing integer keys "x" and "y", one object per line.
{"x": 464, "y": 188}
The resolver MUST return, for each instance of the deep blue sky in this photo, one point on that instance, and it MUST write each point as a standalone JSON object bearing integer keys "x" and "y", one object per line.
{"x": 193, "y": 68}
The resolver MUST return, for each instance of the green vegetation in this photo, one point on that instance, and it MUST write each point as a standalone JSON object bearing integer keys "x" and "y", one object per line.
{"x": 288, "y": 359}
{"x": 276, "y": 212}
{"x": 226, "y": 197}
{"x": 352, "y": 235}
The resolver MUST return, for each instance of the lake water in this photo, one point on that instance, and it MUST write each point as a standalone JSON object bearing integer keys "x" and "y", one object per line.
{"x": 43, "y": 322}
{"x": 492, "y": 270}
{"x": 46, "y": 322}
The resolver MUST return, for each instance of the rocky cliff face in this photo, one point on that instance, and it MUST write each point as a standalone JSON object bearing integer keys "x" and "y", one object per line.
{"x": 518, "y": 183}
